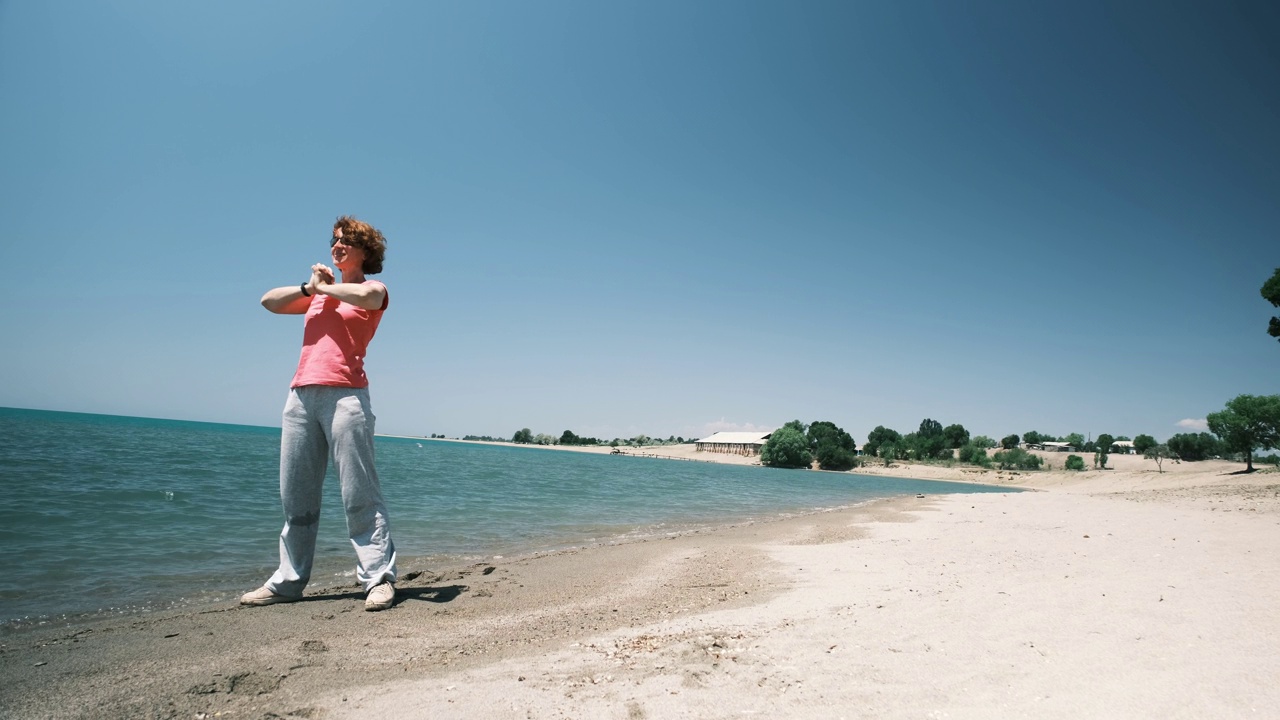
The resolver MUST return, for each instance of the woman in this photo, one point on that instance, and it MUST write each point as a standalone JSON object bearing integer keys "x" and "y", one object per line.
{"x": 328, "y": 412}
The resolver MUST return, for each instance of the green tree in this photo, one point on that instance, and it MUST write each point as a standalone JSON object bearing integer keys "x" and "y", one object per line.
{"x": 1194, "y": 446}
{"x": 928, "y": 442}
{"x": 832, "y": 446}
{"x": 570, "y": 438}
{"x": 984, "y": 442}
{"x": 890, "y": 451}
{"x": 1247, "y": 423}
{"x": 1032, "y": 437}
{"x": 1074, "y": 462}
{"x": 1075, "y": 440}
{"x": 929, "y": 428}
{"x": 1271, "y": 293}
{"x": 879, "y": 437}
{"x": 834, "y": 457}
{"x": 1143, "y": 443}
{"x": 1159, "y": 453}
{"x": 1009, "y": 442}
{"x": 825, "y": 432}
{"x": 1104, "y": 444}
{"x": 955, "y": 435}
{"x": 522, "y": 436}
{"x": 787, "y": 447}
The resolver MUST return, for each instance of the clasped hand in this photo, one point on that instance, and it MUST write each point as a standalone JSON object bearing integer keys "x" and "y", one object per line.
{"x": 321, "y": 275}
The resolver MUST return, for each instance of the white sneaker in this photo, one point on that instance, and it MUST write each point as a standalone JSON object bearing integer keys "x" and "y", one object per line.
{"x": 265, "y": 596}
{"x": 380, "y": 597}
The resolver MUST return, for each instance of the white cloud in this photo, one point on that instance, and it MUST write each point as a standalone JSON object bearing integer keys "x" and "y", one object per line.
{"x": 1199, "y": 425}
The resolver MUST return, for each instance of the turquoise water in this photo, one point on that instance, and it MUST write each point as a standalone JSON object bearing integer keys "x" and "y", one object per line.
{"x": 112, "y": 515}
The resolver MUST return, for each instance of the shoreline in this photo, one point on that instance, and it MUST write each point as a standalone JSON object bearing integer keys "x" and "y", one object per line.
{"x": 332, "y": 576}
{"x": 1112, "y": 595}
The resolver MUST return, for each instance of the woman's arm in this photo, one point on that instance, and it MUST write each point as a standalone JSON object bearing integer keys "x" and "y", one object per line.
{"x": 369, "y": 297}
{"x": 292, "y": 300}
{"x": 287, "y": 300}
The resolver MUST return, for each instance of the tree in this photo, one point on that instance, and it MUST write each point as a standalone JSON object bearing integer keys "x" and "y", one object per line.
{"x": 570, "y": 438}
{"x": 834, "y": 457}
{"x": 984, "y": 442}
{"x": 1143, "y": 443}
{"x": 1075, "y": 440}
{"x": 832, "y": 446}
{"x": 1159, "y": 453}
{"x": 929, "y": 428}
{"x": 955, "y": 435}
{"x": 890, "y": 452}
{"x": 1248, "y": 422}
{"x": 1009, "y": 442}
{"x": 1271, "y": 293}
{"x": 544, "y": 439}
{"x": 928, "y": 442}
{"x": 522, "y": 436}
{"x": 1031, "y": 437}
{"x": 797, "y": 425}
{"x": 824, "y": 432}
{"x": 1193, "y": 446}
{"x": 1074, "y": 462}
{"x": 1105, "y": 442}
{"x": 879, "y": 437}
{"x": 787, "y": 447}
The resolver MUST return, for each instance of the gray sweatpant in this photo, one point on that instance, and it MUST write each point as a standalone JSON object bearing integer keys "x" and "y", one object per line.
{"x": 319, "y": 419}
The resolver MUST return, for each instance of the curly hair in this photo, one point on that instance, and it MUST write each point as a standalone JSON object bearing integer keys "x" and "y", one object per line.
{"x": 368, "y": 237}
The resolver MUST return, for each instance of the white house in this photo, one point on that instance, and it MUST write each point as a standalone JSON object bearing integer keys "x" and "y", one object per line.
{"x": 738, "y": 443}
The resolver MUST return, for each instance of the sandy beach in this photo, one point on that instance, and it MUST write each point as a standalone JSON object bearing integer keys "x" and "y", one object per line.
{"x": 1116, "y": 593}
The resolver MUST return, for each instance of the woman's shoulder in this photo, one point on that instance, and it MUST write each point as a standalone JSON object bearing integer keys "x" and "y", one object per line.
{"x": 386, "y": 294}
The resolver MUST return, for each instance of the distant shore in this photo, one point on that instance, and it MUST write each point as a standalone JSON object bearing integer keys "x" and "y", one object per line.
{"x": 1111, "y": 593}
{"x": 1121, "y": 469}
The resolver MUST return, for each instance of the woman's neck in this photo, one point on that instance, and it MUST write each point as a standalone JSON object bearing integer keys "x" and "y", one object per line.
{"x": 355, "y": 275}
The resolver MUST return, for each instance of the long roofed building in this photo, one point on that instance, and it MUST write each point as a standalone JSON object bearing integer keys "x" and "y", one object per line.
{"x": 737, "y": 443}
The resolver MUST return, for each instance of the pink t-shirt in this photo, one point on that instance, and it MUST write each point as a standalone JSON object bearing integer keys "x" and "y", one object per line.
{"x": 335, "y": 337}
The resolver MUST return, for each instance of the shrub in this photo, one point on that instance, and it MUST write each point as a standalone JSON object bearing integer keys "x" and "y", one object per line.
{"x": 1075, "y": 462}
{"x": 1017, "y": 459}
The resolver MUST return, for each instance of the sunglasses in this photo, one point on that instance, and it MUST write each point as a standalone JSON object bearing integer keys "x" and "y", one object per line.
{"x": 345, "y": 241}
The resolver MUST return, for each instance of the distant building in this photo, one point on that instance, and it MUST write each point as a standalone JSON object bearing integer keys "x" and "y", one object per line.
{"x": 1124, "y": 447}
{"x": 1059, "y": 447}
{"x": 736, "y": 443}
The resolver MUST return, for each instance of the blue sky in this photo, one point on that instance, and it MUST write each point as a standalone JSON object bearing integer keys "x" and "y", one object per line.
{"x": 659, "y": 217}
